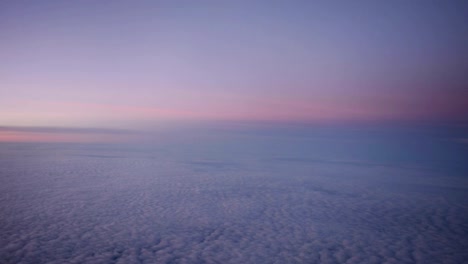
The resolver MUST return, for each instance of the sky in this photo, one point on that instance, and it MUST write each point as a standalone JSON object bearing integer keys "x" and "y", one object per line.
{"x": 133, "y": 64}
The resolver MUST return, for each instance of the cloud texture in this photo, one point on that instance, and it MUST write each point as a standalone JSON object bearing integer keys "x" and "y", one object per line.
{"x": 69, "y": 203}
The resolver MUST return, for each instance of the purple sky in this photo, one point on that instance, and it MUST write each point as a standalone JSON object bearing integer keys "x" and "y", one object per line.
{"x": 133, "y": 63}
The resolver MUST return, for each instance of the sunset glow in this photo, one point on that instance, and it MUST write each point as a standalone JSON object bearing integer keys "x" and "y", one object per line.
{"x": 233, "y": 131}
{"x": 134, "y": 65}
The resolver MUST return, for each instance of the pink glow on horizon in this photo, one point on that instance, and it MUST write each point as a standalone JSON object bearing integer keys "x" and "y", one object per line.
{"x": 16, "y": 136}
{"x": 250, "y": 109}
{"x": 271, "y": 110}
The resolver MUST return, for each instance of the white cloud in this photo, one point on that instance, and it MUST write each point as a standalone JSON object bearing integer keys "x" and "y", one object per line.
{"x": 71, "y": 204}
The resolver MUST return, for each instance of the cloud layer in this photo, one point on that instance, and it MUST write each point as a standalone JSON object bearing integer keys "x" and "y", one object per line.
{"x": 65, "y": 203}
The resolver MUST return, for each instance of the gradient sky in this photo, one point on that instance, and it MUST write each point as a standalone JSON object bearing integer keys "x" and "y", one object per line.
{"x": 137, "y": 63}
